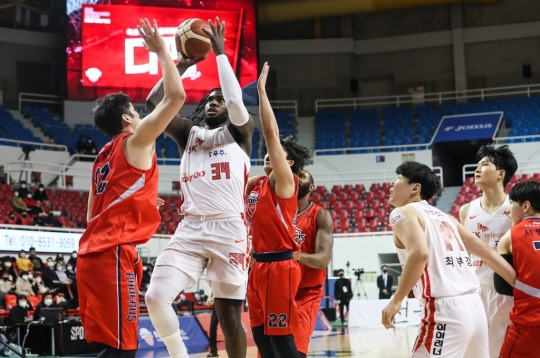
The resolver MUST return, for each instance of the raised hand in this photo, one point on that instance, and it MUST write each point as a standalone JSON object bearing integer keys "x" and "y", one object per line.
{"x": 153, "y": 41}
{"x": 261, "y": 83}
{"x": 216, "y": 34}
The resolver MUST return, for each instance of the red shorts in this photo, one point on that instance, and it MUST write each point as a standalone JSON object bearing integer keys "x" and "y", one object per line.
{"x": 272, "y": 287}
{"x": 308, "y": 301}
{"x": 521, "y": 342}
{"x": 108, "y": 284}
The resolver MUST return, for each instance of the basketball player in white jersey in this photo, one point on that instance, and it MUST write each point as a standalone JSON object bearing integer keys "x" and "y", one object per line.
{"x": 213, "y": 234}
{"x": 432, "y": 247}
{"x": 489, "y": 218}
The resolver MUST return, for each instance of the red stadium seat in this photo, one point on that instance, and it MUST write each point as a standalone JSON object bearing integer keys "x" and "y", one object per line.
{"x": 375, "y": 187}
{"x": 369, "y": 214}
{"x": 343, "y": 215}
{"x": 359, "y": 188}
{"x": 514, "y": 179}
{"x": 361, "y": 224}
{"x": 321, "y": 189}
{"x": 525, "y": 177}
{"x": 350, "y": 206}
{"x": 373, "y": 225}
{"x": 176, "y": 185}
{"x": 536, "y": 177}
{"x": 369, "y": 196}
{"x": 386, "y": 187}
{"x": 333, "y": 214}
{"x": 348, "y": 188}
{"x": 336, "y": 189}
{"x": 460, "y": 200}
{"x": 469, "y": 181}
{"x": 331, "y": 198}
{"x": 344, "y": 226}
{"x": 337, "y": 206}
{"x": 343, "y": 196}
{"x": 354, "y": 196}
{"x": 316, "y": 197}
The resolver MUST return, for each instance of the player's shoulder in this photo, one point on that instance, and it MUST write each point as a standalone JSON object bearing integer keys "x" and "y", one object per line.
{"x": 402, "y": 213}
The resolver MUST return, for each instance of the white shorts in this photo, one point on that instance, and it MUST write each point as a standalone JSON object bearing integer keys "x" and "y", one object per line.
{"x": 497, "y": 309}
{"x": 453, "y": 327}
{"x": 219, "y": 245}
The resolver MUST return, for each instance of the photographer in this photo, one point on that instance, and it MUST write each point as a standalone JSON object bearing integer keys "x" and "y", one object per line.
{"x": 343, "y": 294}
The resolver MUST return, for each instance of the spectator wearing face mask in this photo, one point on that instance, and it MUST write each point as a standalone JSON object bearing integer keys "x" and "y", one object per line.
{"x": 70, "y": 273}
{"x": 26, "y": 219}
{"x": 6, "y": 286}
{"x": 8, "y": 266}
{"x": 12, "y": 220}
{"x": 33, "y": 206}
{"x": 23, "y": 285}
{"x": 23, "y": 263}
{"x": 47, "y": 302}
{"x": 17, "y": 203}
{"x": 23, "y": 189}
{"x": 18, "y": 313}
{"x": 73, "y": 259}
{"x": 40, "y": 195}
{"x": 39, "y": 286}
{"x": 50, "y": 278}
{"x": 62, "y": 276}
{"x": 147, "y": 274}
{"x": 36, "y": 261}
{"x": 60, "y": 258}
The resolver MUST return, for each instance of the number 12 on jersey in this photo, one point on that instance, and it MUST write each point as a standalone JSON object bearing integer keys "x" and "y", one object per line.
{"x": 219, "y": 169}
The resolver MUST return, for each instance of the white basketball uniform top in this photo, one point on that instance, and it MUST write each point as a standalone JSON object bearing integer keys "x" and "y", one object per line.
{"x": 213, "y": 174}
{"x": 448, "y": 271}
{"x": 489, "y": 228}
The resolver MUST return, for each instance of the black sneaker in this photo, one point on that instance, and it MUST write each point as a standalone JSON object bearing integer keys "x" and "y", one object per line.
{"x": 212, "y": 354}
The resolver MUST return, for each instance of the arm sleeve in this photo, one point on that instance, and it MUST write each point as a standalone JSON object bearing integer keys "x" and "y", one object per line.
{"x": 501, "y": 286}
{"x": 232, "y": 93}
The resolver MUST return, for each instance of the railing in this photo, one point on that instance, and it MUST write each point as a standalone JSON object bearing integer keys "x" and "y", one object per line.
{"x": 35, "y": 145}
{"x": 27, "y": 97}
{"x": 355, "y": 177}
{"x": 282, "y": 104}
{"x": 379, "y": 149}
{"x": 524, "y": 138}
{"x": 26, "y": 167}
{"x": 438, "y": 97}
{"x": 524, "y": 167}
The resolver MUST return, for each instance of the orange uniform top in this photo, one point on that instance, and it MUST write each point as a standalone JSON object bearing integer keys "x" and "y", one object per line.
{"x": 306, "y": 237}
{"x": 125, "y": 198}
{"x": 526, "y": 257}
{"x": 271, "y": 217}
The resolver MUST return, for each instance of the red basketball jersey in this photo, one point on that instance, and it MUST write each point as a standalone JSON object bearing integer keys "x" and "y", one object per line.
{"x": 125, "y": 199}
{"x": 272, "y": 217}
{"x": 526, "y": 257}
{"x": 305, "y": 236}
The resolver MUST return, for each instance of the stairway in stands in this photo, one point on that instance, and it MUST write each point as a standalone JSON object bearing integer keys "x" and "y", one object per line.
{"x": 448, "y": 198}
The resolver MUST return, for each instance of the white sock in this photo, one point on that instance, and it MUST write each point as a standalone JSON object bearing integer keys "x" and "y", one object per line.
{"x": 175, "y": 345}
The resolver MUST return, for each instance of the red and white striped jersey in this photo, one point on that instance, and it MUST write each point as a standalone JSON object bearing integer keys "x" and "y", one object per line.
{"x": 449, "y": 270}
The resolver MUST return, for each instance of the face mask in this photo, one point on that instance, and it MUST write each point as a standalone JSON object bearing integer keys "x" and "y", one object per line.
{"x": 59, "y": 268}
{"x": 7, "y": 264}
{"x": 74, "y": 256}
{"x": 23, "y": 304}
{"x": 23, "y": 186}
{"x": 29, "y": 196}
{"x": 50, "y": 264}
{"x": 30, "y": 276}
{"x": 16, "y": 193}
{"x": 69, "y": 268}
{"x": 145, "y": 268}
{"x": 25, "y": 277}
{"x": 38, "y": 279}
{"x": 23, "y": 256}
{"x": 40, "y": 189}
{"x": 47, "y": 302}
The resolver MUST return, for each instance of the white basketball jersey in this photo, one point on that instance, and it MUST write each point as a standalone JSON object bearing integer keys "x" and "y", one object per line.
{"x": 490, "y": 228}
{"x": 449, "y": 270}
{"x": 213, "y": 174}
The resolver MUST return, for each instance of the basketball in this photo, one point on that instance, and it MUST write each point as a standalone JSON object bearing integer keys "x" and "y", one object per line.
{"x": 191, "y": 41}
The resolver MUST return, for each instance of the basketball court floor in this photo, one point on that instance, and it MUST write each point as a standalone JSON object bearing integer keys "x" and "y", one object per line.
{"x": 353, "y": 342}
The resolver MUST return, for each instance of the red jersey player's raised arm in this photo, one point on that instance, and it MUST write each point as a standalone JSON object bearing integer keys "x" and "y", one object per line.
{"x": 281, "y": 178}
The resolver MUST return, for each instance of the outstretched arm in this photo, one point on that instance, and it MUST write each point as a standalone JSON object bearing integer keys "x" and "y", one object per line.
{"x": 323, "y": 242}
{"x": 283, "y": 175}
{"x": 173, "y": 92}
{"x": 490, "y": 256}
{"x": 178, "y": 129}
{"x": 241, "y": 121}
